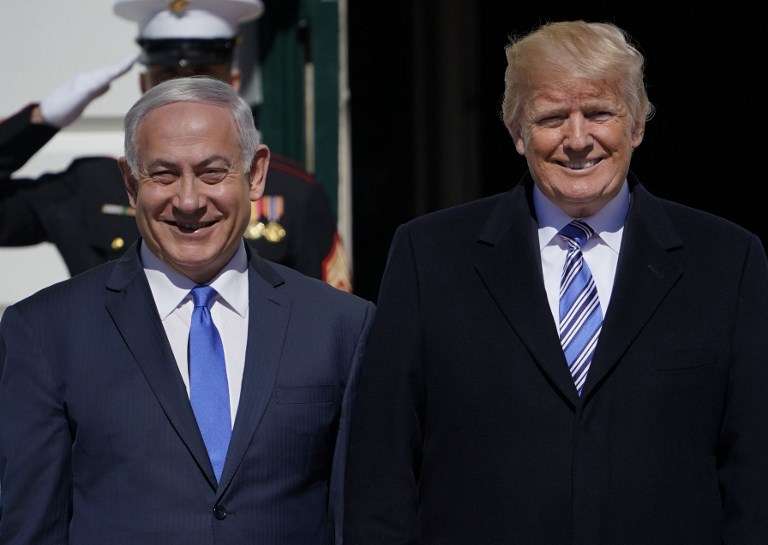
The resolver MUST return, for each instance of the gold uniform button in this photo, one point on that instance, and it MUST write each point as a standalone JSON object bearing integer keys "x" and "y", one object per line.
{"x": 177, "y": 7}
{"x": 117, "y": 243}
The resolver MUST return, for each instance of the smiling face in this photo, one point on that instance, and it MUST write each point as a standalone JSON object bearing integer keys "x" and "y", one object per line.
{"x": 577, "y": 137}
{"x": 192, "y": 195}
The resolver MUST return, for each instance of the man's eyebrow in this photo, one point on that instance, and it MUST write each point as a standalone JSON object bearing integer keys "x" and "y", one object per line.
{"x": 548, "y": 108}
{"x": 598, "y": 103}
{"x": 162, "y": 163}
{"x": 213, "y": 159}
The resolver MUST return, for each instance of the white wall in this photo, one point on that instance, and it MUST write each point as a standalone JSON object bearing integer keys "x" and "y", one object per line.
{"x": 43, "y": 43}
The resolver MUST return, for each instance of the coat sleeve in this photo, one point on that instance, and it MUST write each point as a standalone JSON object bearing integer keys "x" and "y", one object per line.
{"x": 20, "y": 222}
{"x": 20, "y": 139}
{"x": 743, "y": 451}
{"x": 35, "y": 440}
{"x": 387, "y": 429}
{"x": 342, "y": 439}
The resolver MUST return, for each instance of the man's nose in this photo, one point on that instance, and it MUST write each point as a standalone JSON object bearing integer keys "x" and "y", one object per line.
{"x": 189, "y": 197}
{"x": 578, "y": 136}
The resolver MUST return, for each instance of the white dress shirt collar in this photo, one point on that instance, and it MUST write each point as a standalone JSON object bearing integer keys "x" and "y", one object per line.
{"x": 607, "y": 223}
{"x": 170, "y": 288}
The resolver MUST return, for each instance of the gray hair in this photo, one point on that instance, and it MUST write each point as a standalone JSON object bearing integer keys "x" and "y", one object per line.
{"x": 194, "y": 89}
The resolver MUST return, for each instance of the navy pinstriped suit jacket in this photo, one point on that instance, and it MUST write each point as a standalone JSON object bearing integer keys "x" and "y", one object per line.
{"x": 98, "y": 442}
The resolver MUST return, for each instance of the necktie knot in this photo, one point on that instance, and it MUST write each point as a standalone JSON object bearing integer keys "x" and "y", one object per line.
{"x": 203, "y": 296}
{"x": 577, "y": 233}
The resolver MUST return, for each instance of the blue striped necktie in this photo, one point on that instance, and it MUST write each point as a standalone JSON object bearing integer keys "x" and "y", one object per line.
{"x": 208, "y": 389}
{"x": 580, "y": 315}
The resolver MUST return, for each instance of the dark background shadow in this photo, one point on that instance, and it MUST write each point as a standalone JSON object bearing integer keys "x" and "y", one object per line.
{"x": 427, "y": 79}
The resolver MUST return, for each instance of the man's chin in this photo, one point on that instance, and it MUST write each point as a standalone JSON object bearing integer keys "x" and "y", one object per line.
{"x": 200, "y": 268}
{"x": 581, "y": 204}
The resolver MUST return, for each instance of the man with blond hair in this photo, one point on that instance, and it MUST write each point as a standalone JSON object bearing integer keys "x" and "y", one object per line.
{"x": 574, "y": 361}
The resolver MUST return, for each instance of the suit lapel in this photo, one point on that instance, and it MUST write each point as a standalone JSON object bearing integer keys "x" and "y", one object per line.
{"x": 509, "y": 263}
{"x": 268, "y": 315}
{"x": 648, "y": 268}
{"x": 130, "y": 304}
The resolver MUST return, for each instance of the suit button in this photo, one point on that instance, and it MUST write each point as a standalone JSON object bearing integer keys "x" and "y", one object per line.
{"x": 219, "y": 512}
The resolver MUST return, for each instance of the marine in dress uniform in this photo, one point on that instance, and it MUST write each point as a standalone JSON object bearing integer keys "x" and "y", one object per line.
{"x": 84, "y": 210}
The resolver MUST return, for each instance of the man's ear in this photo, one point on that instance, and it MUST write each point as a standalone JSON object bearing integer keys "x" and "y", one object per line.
{"x": 516, "y": 132}
{"x": 144, "y": 83}
{"x": 638, "y": 131}
{"x": 257, "y": 176}
{"x": 129, "y": 181}
{"x": 234, "y": 79}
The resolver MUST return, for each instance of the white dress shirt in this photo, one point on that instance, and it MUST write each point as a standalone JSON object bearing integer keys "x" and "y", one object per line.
{"x": 229, "y": 311}
{"x": 601, "y": 252}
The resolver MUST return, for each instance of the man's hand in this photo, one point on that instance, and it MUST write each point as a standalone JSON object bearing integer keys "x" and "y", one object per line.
{"x": 65, "y": 104}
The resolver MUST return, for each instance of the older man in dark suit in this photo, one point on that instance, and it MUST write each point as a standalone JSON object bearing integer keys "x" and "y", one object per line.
{"x": 192, "y": 392}
{"x": 572, "y": 362}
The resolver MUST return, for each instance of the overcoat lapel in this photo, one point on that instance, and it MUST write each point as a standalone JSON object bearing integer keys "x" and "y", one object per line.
{"x": 130, "y": 304}
{"x": 268, "y": 317}
{"x": 650, "y": 263}
{"x": 509, "y": 263}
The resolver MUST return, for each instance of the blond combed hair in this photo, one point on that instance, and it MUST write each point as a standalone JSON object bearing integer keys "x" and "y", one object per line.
{"x": 598, "y": 52}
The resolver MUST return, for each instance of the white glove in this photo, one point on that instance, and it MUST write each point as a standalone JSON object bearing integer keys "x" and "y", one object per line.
{"x": 67, "y": 102}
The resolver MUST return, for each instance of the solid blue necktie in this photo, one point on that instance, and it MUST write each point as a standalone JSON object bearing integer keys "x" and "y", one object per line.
{"x": 208, "y": 389}
{"x": 580, "y": 315}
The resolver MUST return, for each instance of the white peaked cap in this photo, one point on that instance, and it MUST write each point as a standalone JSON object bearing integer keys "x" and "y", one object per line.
{"x": 207, "y": 19}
